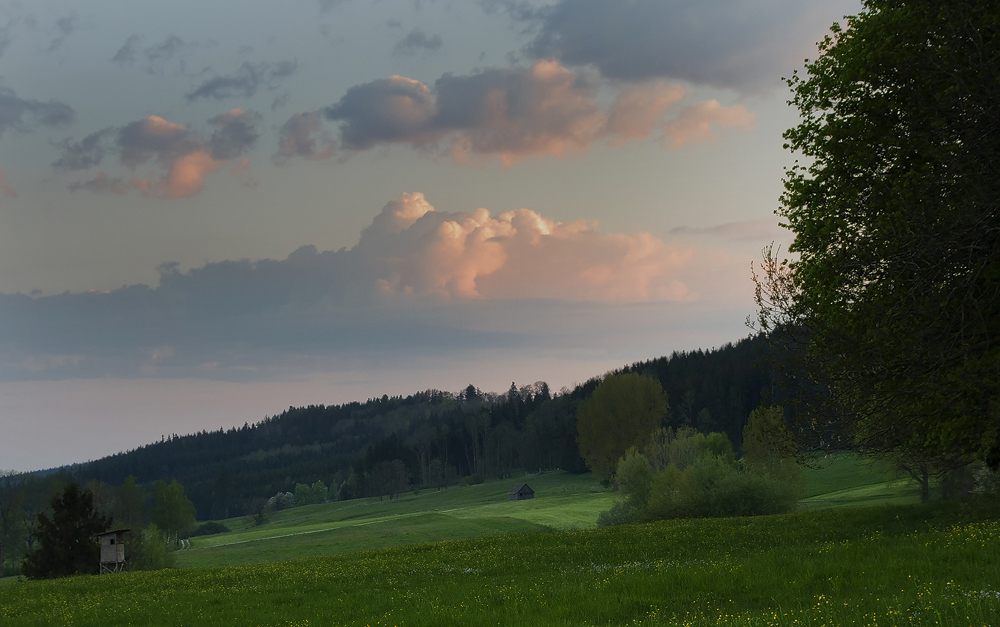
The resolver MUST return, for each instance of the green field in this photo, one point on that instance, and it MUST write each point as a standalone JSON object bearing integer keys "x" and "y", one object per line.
{"x": 541, "y": 562}
{"x": 563, "y": 502}
{"x": 890, "y": 565}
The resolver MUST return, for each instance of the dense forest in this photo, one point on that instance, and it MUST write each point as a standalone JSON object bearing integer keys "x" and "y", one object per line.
{"x": 429, "y": 439}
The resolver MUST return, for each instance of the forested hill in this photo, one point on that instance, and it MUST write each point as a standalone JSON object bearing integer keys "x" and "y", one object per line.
{"x": 430, "y": 438}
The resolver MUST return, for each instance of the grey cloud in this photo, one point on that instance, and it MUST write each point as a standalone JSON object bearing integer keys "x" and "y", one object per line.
{"x": 65, "y": 25}
{"x": 385, "y": 110}
{"x": 144, "y": 139}
{"x": 724, "y": 43}
{"x": 165, "y": 143}
{"x": 251, "y": 318}
{"x": 279, "y": 101}
{"x": 101, "y": 184}
{"x": 85, "y": 153}
{"x": 517, "y": 10}
{"x": 22, "y": 114}
{"x": 326, "y": 5}
{"x": 235, "y": 135}
{"x": 748, "y": 230}
{"x": 165, "y": 50}
{"x": 7, "y": 32}
{"x": 129, "y": 51}
{"x": 416, "y": 42}
{"x": 303, "y": 136}
{"x": 245, "y": 82}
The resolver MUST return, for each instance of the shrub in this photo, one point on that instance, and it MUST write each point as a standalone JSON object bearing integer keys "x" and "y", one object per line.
{"x": 209, "y": 528}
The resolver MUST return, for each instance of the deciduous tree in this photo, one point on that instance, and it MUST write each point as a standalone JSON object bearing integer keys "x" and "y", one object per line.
{"x": 895, "y": 295}
{"x": 623, "y": 411}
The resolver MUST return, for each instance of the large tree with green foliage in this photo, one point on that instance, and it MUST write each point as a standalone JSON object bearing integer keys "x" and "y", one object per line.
{"x": 895, "y": 294}
{"x": 173, "y": 513}
{"x": 623, "y": 411}
{"x": 66, "y": 541}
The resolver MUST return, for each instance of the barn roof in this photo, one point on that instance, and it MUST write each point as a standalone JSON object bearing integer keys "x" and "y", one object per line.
{"x": 517, "y": 489}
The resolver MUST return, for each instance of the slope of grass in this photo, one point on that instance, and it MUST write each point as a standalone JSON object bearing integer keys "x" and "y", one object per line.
{"x": 901, "y": 565}
{"x": 563, "y": 501}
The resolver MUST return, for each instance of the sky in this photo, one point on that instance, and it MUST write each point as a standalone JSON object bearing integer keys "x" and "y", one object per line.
{"x": 210, "y": 212}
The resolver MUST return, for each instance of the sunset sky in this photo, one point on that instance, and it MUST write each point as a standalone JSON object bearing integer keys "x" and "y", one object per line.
{"x": 212, "y": 211}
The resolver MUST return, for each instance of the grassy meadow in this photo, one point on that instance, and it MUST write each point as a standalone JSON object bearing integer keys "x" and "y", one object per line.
{"x": 527, "y": 563}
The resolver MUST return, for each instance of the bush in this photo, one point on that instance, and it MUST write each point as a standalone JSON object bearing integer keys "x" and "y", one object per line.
{"x": 700, "y": 479}
{"x": 147, "y": 550}
{"x": 209, "y": 528}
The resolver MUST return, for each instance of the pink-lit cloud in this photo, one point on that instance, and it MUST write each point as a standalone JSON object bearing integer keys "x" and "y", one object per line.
{"x": 5, "y": 188}
{"x": 696, "y": 123}
{"x": 412, "y": 249}
{"x": 509, "y": 114}
{"x": 418, "y": 281}
{"x": 181, "y": 158}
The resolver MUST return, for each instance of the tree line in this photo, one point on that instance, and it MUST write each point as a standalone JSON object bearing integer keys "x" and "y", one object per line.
{"x": 432, "y": 439}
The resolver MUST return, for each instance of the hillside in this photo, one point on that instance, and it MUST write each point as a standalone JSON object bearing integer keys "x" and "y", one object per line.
{"x": 438, "y": 436}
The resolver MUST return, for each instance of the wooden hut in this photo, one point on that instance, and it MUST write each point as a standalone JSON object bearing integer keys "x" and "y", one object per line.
{"x": 521, "y": 492}
{"x": 113, "y": 550}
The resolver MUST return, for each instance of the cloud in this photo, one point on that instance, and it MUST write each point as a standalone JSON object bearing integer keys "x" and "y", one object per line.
{"x": 510, "y": 114}
{"x": 22, "y": 115}
{"x": 416, "y": 42}
{"x": 723, "y": 43}
{"x": 129, "y": 51}
{"x": 245, "y": 82}
{"x": 65, "y": 26}
{"x": 85, "y": 153}
{"x": 415, "y": 250}
{"x": 695, "y": 122}
{"x": 746, "y": 230}
{"x": 5, "y": 188}
{"x": 326, "y": 5}
{"x": 303, "y": 136}
{"x": 183, "y": 157}
{"x": 418, "y": 281}
{"x": 102, "y": 184}
{"x": 156, "y": 56}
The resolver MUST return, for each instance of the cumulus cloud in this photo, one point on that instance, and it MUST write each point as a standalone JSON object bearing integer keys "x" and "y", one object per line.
{"x": 510, "y": 114}
{"x": 245, "y": 82}
{"x": 416, "y": 42}
{"x": 184, "y": 158}
{"x": 5, "y": 188}
{"x": 418, "y": 279}
{"x": 22, "y": 114}
{"x": 413, "y": 249}
{"x": 724, "y": 43}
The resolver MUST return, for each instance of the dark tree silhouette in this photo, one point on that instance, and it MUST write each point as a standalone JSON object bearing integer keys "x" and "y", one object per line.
{"x": 67, "y": 545}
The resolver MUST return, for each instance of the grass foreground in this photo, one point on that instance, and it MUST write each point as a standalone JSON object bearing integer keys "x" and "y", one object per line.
{"x": 887, "y": 565}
